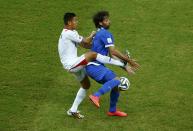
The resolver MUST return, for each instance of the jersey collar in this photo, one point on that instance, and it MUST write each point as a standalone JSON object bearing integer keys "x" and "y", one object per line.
{"x": 100, "y": 29}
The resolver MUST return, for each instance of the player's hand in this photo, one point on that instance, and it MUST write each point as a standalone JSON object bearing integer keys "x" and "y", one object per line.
{"x": 134, "y": 64}
{"x": 129, "y": 70}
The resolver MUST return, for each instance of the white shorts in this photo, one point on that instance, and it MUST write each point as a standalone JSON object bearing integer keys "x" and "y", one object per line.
{"x": 75, "y": 64}
{"x": 76, "y": 67}
{"x": 78, "y": 64}
{"x": 80, "y": 75}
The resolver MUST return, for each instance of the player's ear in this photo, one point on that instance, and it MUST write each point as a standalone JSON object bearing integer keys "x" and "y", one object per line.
{"x": 70, "y": 23}
{"x": 100, "y": 23}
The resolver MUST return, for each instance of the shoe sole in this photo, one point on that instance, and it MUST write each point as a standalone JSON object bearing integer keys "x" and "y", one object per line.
{"x": 117, "y": 115}
{"x": 111, "y": 114}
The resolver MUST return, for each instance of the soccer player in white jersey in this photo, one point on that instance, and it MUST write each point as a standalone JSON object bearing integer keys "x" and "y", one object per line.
{"x": 67, "y": 47}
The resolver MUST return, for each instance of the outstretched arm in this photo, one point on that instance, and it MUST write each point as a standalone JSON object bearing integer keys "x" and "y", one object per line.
{"x": 114, "y": 52}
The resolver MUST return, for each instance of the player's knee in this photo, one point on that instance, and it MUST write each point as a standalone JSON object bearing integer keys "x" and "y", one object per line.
{"x": 93, "y": 54}
{"x": 86, "y": 86}
{"x": 90, "y": 56}
{"x": 85, "y": 83}
{"x": 116, "y": 89}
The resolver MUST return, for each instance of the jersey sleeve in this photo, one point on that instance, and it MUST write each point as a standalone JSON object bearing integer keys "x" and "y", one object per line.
{"x": 108, "y": 39}
{"x": 75, "y": 37}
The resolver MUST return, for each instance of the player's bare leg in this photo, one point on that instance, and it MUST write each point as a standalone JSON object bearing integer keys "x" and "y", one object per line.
{"x": 90, "y": 56}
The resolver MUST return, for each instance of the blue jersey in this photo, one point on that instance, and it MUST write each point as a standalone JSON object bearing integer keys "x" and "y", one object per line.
{"x": 102, "y": 40}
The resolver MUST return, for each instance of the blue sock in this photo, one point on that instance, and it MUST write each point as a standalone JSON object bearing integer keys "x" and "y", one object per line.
{"x": 113, "y": 100}
{"x": 107, "y": 87}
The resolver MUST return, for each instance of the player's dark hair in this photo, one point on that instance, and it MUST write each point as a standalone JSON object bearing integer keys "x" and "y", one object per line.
{"x": 68, "y": 17}
{"x": 99, "y": 17}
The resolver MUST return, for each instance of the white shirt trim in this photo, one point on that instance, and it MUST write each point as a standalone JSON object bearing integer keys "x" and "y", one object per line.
{"x": 93, "y": 63}
{"x": 108, "y": 45}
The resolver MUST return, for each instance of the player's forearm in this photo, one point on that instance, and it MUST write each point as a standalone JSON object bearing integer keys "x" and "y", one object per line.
{"x": 117, "y": 53}
{"x": 85, "y": 45}
{"x": 87, "y": 40}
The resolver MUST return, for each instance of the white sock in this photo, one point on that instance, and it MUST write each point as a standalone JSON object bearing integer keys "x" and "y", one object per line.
{"x": 79, "y": 97}
{"x": 108, "y": 60}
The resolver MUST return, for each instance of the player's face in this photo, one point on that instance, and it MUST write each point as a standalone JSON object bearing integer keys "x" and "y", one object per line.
{"x": 74, "y": 23}
{"x": 106, "y": 23}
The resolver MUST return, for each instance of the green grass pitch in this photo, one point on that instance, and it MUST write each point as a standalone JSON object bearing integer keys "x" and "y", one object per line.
{"x": 35, "y": 91}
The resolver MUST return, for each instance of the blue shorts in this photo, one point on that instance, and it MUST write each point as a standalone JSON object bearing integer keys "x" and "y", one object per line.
{"x": 100, "y": 73}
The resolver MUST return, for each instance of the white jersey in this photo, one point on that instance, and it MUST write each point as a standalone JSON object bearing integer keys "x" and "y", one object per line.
{"x": 67, "y": 46}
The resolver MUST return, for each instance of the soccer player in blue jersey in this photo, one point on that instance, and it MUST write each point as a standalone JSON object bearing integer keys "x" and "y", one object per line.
{"x": 103, "y": 43}
{"x": 68, "y": 42}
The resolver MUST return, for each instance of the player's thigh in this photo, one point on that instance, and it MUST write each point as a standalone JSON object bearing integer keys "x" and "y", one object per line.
{"x": 109, "y": 75}
{"x": 96, "y": 72}
{"x": 90, "y": 56}
{"x": 80, "y": 75}
{"x": 78, "y": 64}
{"x": 100, "y": 73}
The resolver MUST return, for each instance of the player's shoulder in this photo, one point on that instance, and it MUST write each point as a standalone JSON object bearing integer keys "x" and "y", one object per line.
{"x": 67, "y": 32}
{"x": 105, "y": 32}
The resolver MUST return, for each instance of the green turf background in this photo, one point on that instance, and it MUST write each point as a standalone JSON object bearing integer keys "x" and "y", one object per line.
{"x": 35, "y": 91}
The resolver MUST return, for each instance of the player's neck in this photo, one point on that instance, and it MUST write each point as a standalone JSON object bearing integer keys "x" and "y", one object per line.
{"x": 100, "y": 28}
{"x": 68, "y": 27}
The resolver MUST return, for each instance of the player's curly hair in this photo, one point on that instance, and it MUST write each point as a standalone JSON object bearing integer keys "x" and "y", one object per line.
{"x": 99, "y": 17}
{"x": 68, "y": 17}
